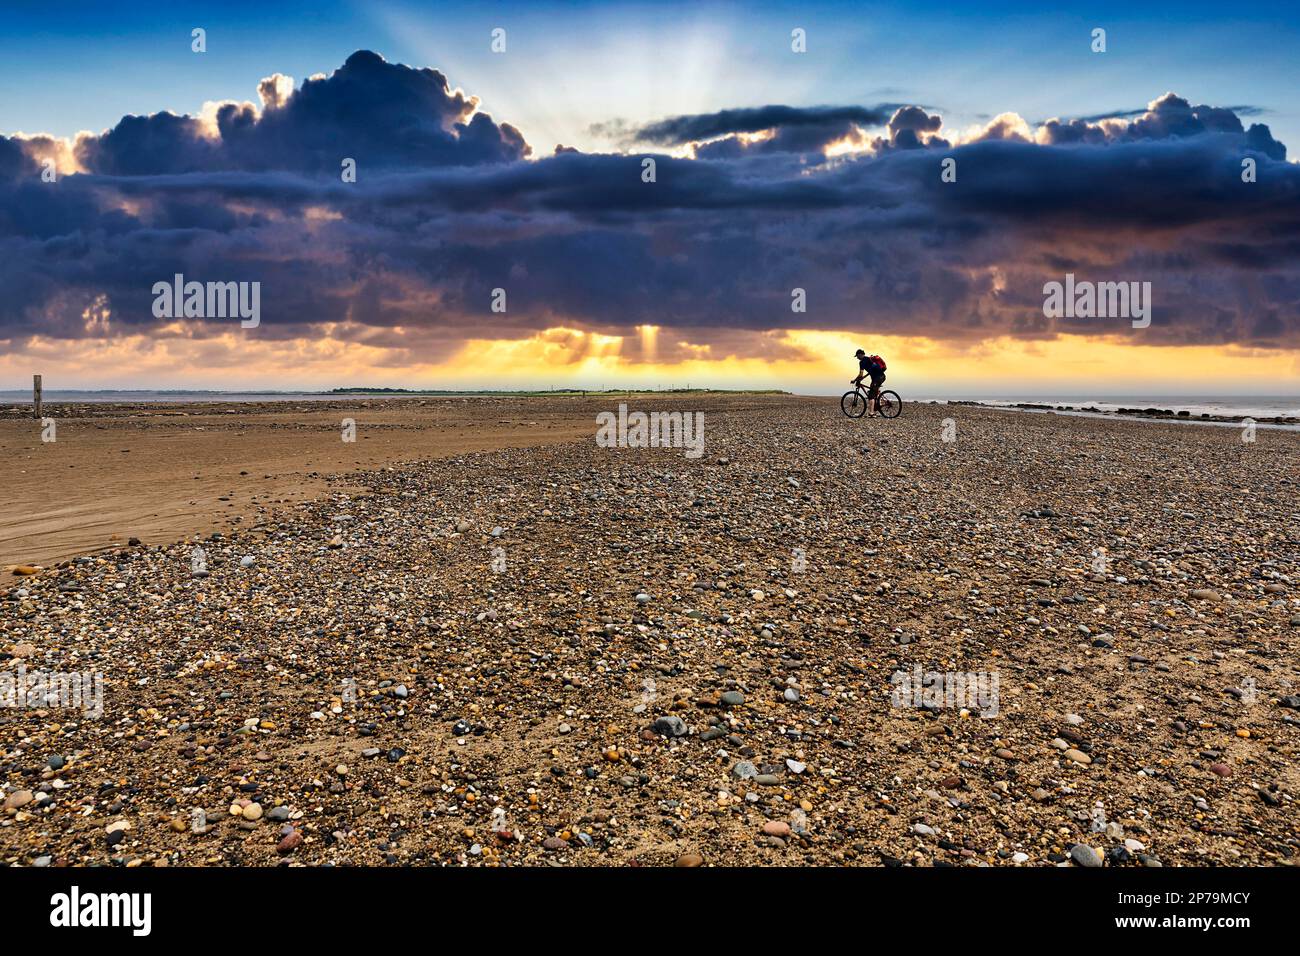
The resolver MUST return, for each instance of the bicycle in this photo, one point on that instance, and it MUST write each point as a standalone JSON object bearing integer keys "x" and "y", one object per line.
{"x": 854, "y": 403}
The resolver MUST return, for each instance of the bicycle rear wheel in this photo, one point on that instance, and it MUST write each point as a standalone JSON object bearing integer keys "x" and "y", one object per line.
{"x": 889, "y": 404}
{"x": 853, "y": 404}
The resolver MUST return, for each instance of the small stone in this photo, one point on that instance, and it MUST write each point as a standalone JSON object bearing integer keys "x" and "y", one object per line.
{"x": 1222, "y": 769}
{"x": 19, "y": 798}
{"x": 290, "y": 843}
{"x": 252, "y": 812}
{"x": 689, "y": 860}
{"x": 733, "y": 698}
{"x": 1078, "y": 756}
{"x": 1085, "y": 855}
{"x": 1205, "y": 594}
{"x": 795, "y": 766}
{"x": 744, "y": 770}
{"x": 670, "y": 725}
{"x": 776, "y": 828}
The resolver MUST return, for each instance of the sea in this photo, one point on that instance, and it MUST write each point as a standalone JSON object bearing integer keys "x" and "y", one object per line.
{"x": 1231, "y": 406}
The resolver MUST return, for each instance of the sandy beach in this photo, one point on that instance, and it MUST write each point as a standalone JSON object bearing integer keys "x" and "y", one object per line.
{"x": 476, "y": 637}
{"x": 162, "y": 472}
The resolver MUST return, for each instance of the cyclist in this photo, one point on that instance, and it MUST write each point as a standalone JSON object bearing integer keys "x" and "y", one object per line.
{"x": 874, "y": 366}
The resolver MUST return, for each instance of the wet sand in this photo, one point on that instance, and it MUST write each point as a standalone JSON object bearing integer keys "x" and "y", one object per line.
{"x": 163, "y": 472}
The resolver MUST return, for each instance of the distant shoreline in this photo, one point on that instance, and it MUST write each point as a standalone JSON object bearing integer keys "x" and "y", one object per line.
{"x": 76, "y": 396}
{"x": 1149, "y": 413}
{"x": 18, "y": 401}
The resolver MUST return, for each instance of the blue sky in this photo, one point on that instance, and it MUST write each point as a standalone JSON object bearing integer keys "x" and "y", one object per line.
{"x": 75, "y": 66}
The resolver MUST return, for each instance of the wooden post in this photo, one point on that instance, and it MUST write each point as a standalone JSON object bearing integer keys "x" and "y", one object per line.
{"x": 36, "y": 396}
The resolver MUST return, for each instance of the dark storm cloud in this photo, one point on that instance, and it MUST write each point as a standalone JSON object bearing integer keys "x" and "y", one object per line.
{"x": 700, "y": 127}
{"x": 445, "y": 210}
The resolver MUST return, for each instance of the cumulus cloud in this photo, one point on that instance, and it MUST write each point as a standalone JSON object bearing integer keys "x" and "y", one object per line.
{"x": 446, "y": 209}
{"x": 382, "y": 114}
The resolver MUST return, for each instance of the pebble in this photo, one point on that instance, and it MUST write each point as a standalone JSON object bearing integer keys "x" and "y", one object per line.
{"x": 670, "y": 725}
{"x": 1085, "y": 855}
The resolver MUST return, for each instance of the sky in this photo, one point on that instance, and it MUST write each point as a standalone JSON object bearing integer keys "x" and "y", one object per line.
{"x": 500, "y": 231}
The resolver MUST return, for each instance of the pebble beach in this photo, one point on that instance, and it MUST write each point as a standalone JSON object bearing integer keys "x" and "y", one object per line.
{"x": 548, "y": 652}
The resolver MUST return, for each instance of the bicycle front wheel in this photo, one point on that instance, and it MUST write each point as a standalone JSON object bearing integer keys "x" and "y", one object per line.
{"x": 853, "y": 404}
{"x": 889, "y": 404}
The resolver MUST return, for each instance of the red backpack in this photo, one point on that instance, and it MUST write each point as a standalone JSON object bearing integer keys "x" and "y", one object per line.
{"x": 877, "y": 360}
